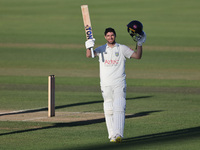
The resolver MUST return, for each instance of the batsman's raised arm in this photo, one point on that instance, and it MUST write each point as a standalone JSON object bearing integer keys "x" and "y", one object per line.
{"x": 89, "y": 53}
{"x": 138, "y": 54}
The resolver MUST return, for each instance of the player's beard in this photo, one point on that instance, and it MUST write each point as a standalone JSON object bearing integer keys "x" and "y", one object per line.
{"x": 111, "y": 41}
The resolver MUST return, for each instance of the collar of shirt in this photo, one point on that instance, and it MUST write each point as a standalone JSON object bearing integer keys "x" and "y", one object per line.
{"x": 116, "y": 45}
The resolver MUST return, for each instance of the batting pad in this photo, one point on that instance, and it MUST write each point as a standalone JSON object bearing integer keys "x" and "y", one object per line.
{"x": 108, "y": 110}
{"x": 119, "y": 107}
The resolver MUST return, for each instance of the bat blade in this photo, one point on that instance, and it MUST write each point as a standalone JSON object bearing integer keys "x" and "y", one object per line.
{"x": 87, "y": 24}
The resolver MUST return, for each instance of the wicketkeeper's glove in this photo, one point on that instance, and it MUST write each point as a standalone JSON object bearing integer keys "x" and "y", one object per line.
{"x": 141, "y": 40}
{"x": 89, "y": 43}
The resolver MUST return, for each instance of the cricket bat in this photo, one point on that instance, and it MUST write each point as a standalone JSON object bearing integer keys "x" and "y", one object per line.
{"x": 87, "y": 25}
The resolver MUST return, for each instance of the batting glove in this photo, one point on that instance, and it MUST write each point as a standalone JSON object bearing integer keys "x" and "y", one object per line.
{"x": 89, "y": 43}
{"x": 142, "y": 40}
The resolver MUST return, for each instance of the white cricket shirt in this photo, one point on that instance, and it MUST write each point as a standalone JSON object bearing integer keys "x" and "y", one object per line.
{"x": 112, "y": 63}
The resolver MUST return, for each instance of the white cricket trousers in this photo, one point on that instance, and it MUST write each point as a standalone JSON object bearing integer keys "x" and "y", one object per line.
{"x": 114, "y": 109}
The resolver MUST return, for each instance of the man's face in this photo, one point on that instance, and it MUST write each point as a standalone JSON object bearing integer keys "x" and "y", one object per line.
{"x": 110, "y": 37}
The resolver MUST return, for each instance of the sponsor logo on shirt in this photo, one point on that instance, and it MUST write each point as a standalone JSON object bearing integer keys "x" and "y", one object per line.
{"x": 111, "y": 62}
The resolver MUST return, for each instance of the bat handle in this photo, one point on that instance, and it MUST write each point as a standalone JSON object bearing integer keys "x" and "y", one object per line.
{"x": 92, "y": 52}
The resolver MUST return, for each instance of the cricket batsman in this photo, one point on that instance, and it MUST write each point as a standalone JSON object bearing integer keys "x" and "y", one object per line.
{"x": 112, "y": 59}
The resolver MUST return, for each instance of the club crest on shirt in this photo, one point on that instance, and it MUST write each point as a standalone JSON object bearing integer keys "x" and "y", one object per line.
{"x": 116, "y": 54}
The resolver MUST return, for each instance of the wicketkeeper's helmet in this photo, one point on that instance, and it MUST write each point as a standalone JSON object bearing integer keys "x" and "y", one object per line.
{"x": 135, "y": 29}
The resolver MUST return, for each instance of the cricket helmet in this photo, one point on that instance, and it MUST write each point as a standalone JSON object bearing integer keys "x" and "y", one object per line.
{"x": 135, "y": 29}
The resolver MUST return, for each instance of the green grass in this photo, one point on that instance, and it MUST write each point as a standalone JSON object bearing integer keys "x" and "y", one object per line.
{"x": 40, "y": 38}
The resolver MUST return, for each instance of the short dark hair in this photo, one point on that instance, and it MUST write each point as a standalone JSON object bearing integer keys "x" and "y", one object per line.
{"x": 109, "y": 30}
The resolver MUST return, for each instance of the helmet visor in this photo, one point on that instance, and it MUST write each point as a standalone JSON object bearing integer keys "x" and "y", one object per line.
{"x": 136, "y": 36}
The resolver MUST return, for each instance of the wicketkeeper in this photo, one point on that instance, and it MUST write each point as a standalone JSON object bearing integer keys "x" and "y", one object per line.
{"x": 112, "y": 59}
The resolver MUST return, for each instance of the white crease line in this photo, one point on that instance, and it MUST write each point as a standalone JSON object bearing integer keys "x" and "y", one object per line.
{"x": 19, "y": 111}
{"x": 38, "y": 118}
{"x": 10, "y": 112}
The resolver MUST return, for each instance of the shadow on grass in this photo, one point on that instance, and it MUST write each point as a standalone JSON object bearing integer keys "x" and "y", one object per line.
{"x": 147, "y": 140}
{"x": 78, "y": 123}
{"x": 64, "y": 106}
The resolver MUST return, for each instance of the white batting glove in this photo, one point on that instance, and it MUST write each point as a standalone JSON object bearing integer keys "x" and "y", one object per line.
{"x": 142, "y": 40}
{"x": 89, "y": 43}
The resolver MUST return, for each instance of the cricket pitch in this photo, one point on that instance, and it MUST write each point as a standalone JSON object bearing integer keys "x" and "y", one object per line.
{"x": 42, "y": 116}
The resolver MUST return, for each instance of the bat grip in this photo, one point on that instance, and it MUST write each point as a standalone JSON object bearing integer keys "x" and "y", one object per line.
{"x": 92, "y": 52}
